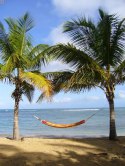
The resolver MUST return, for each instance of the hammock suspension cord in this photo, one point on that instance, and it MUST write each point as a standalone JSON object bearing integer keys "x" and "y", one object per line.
{"x": 64, "y": 125}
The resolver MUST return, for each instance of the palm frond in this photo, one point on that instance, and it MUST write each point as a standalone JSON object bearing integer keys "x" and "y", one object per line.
{"x": 102, "y": 13}
{"x": 8, "y": 67}
{"x": 5, "y": 46}
{"x": 26, "y": 22}
{"x": 68, "y": 53}
{"x": 120, "y": 68}
{"x": 38, "y": 80}
{"x": 76, "y": 58}
{"x": 12, "y": 23}
{"x": 81, "y": 32}
{"x": 55, "y": 74}
{"x": 17, "y": 42}
{"x": 103, "y": 41}
{"x": 38, "y": 55}
{"x": 2, "y": 74}
{"x": 119, "y": 73}
{"x": 77, "y": 24}
{"x": 27, "y": 90}
{"x": 2, "y": 26}
{"x": 107, "y": 29}
{"x": 117, "y": 42}
{"x": 58, "y": 80}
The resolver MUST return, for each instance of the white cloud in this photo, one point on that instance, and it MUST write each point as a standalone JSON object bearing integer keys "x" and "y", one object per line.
{"x": 70, "y": 100}
{"x": 90, "y": 98}
{"x": 114, "y": 6}
{"x": 56, "y": 66}
{"x": 57, "y": 36}
{"x": 121, "y": 94}
{"x": 62, "y": 100}
{"x": 93, "y": 98}
{"x": 82, "y": 7}
{"x": 75, "y": 7}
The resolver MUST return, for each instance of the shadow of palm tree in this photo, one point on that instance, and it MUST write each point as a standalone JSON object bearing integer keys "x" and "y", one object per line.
{"x": 82, "y": 153}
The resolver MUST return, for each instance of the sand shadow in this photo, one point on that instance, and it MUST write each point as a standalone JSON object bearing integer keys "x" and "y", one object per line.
{"x": 17, "y": 157}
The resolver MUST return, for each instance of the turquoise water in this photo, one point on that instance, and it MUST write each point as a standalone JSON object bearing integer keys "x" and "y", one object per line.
{"x": 97, "y": 126}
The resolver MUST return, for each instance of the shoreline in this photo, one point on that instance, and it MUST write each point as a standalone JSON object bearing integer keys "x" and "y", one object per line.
{"x": 57, "y": 137}
{"x": 98, "y": 126}
{"x": 60, "y": 136}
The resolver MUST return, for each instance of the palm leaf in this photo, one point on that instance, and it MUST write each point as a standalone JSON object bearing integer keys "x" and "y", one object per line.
{"x": 68, "y": 53}
{"x": 80, "y": 31}
{"x": 39, "y": 81}
{"x": 38, "y": 55}
{"x": 58, "y": 80}
{"x": 27, "y": 90}
{"x": 5, "y": 46}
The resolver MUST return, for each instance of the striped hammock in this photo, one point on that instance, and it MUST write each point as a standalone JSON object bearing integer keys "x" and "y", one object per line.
{"x": 45, "y": 122}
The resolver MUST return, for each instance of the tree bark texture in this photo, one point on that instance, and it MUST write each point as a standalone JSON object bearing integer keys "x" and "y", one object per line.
{"x": 112, "y": 132}
{"x": 112, "y": 129}
{"x": 17, "y": 96}
{"x": 16, "y": 121}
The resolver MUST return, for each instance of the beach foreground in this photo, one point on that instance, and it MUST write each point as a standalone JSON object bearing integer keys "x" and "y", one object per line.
{"x": 62, "y": 152}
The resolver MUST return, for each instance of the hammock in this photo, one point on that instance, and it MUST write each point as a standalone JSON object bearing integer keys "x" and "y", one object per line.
{"x": 45, "y": 122}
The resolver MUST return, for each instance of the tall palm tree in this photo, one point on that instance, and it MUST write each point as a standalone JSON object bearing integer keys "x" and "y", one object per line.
{"x": 22, "y": 63}
{"x": 96, "y": 52}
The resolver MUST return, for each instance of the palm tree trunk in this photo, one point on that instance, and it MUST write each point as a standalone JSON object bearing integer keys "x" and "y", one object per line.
{"x": 17, "y": 96}
{"x": 16, "y": 121}
{"x": 112, "y": 132}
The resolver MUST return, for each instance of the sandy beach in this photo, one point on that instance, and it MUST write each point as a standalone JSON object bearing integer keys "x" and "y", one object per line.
{"x": 62, "y": 152}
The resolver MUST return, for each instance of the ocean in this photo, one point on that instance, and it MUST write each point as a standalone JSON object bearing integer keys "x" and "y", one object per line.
{"x": 97, "y": 126}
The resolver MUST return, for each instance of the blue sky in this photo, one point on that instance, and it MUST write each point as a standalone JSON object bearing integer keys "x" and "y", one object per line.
{"x": 49, "y": 15}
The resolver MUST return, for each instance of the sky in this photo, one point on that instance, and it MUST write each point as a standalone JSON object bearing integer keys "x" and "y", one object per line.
{"x": 49, "y": 16}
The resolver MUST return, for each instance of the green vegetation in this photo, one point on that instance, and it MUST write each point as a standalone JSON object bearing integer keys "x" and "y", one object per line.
{"x": 22, "y": 63}
{"x": 96, "y": 53}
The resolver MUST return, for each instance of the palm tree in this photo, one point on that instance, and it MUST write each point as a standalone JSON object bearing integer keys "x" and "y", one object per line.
{"x": 22, "y": 63}
{"x": 96, "y": 52}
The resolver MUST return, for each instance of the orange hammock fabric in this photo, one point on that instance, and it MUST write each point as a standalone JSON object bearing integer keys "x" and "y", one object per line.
{"x": 63, "y": 125}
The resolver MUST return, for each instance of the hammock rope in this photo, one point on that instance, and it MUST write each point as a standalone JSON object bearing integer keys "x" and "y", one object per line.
{"x": 45, "y": 122}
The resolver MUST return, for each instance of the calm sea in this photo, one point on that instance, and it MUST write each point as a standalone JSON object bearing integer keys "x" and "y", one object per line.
{"x": 97, "y": 126}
